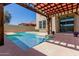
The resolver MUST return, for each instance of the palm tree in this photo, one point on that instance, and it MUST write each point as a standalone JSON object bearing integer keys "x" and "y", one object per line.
{"x": 7, "y": 17}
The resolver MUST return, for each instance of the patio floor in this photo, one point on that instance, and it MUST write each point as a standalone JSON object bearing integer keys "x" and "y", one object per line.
{"x": 64, "y": 44}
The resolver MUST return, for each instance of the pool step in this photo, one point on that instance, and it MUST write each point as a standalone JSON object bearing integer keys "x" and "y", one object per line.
{"x": 19, "y": 43}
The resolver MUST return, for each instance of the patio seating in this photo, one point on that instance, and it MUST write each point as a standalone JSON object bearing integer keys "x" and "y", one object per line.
{"x": 76, "y": 34}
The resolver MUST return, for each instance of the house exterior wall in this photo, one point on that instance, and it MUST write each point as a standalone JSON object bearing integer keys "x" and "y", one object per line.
{"x": 40, "y": 18}
{"x": 76, "y": 23}
{"x": 56, "y": 23}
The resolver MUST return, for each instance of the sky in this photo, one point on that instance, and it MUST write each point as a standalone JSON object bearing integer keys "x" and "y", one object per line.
{"x": 20, "y": 14}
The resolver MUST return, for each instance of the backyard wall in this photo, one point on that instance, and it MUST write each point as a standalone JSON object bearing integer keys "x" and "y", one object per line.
{"x": 18, "y": 28}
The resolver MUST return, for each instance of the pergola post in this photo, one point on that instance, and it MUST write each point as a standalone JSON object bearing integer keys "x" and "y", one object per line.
{"x": 1, "y": 25}
{"x": 76, "y": 22}
{"x": 49, "y": 25}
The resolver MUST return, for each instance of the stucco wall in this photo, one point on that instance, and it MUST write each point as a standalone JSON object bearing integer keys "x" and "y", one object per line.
{"x": 40, "y": 18}
{"x": 18, "y": 28}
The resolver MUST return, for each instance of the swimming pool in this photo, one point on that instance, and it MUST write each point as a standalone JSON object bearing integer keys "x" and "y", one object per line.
{"x": 25, "y": 40}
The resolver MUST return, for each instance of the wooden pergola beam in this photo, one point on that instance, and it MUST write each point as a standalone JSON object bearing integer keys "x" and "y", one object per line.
{"x": 30, "y": 8}
{"x": 63, "y": 8}
{"x": 56, "y": 12}
{"x": 77, "y": 8}
{"x": 57, "y": 8}
{"x": 67, "y": 8}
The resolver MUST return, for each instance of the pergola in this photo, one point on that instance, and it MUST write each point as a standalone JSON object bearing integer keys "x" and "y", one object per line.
{"x": 51, "y": 9}
{"x": 48, "y": 10}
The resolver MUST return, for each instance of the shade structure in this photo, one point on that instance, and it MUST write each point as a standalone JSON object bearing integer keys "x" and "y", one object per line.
{"x": 47, "y": 9}
{"x": 56, "y": 8}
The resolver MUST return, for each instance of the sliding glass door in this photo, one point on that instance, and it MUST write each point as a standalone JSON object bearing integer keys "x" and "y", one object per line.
{"x": 67, "y": 25}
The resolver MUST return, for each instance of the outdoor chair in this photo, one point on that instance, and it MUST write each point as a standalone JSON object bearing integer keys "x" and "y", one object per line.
{"x": 76, "y": 34}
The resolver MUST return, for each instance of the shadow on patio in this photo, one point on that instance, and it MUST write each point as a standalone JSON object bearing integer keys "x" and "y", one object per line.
{"x": 10, "y": 49}
{"x": 66, "y": 40}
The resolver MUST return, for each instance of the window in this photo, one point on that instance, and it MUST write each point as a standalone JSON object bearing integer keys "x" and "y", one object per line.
{"x": 44, "y": 24}
{"x": 67, "y": 25}
{"x": 70, "y": 22}
{"x": 40, "y": 24}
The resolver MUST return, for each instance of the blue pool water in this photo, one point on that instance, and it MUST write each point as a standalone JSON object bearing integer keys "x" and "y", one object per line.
{"x": 25, "y": 40}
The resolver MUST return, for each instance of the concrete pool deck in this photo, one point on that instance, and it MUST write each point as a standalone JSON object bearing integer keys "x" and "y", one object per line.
{"x": 38, "y": 33}
{"x": 62, "y": 45}
{"x": 55, "y": 50}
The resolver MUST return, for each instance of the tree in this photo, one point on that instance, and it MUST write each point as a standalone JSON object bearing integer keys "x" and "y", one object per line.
{"x": 7, "y": 17}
